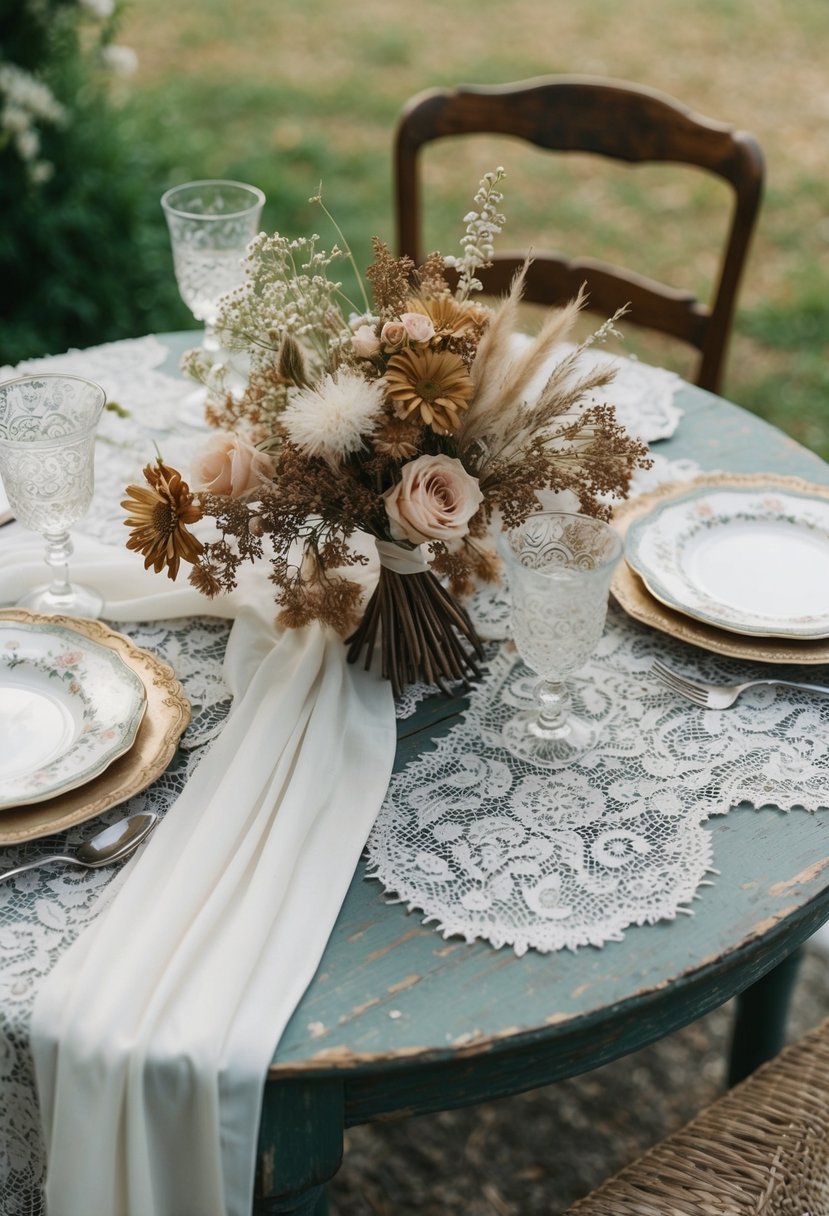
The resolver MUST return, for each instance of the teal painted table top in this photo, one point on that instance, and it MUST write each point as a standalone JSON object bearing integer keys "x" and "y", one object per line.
{"x": 398, "y": 1019}
{"x": 448, "y": 996}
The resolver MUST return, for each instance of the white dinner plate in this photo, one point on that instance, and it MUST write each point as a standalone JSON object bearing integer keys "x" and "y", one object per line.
{"x": 751, "y": 560}
{"x": 69, "y": 706}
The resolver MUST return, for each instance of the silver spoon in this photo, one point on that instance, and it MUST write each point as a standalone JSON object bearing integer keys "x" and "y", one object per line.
{"x": 103, "y": 849}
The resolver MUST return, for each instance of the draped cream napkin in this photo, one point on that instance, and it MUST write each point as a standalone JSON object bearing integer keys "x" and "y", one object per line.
{"x": 153, "y": 1034}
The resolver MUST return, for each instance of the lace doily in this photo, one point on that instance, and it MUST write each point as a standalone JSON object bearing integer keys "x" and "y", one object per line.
{"x": 643, "y": 396}
{"x": 130, "y": 373}
{"x": 488, "y": 846}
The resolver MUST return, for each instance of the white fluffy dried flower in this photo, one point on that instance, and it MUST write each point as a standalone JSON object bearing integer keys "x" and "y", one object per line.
{"x": 332, "y": 420}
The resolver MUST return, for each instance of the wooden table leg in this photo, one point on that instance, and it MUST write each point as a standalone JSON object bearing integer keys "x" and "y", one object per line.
{"x": 760, "y": 1022}
{"x": 311, "y": 1203}
{"x": 300, "y": 1147}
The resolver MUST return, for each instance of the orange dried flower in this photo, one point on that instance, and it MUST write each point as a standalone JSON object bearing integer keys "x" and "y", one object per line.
{"x": 158, "y": 515}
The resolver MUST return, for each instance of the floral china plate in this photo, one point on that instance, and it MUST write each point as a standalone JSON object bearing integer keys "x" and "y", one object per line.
{"x": 69, "y": 706}
{"x": 753, "y": 559}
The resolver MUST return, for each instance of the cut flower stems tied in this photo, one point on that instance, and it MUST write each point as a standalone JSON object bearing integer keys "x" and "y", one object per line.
{"x": 412, "y": 415}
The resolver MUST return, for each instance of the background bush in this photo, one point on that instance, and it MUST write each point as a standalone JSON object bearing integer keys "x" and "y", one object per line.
{"x": 81, "y": 258}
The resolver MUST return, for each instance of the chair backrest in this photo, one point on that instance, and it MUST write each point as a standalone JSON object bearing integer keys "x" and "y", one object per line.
{"x": 612, "y": 119}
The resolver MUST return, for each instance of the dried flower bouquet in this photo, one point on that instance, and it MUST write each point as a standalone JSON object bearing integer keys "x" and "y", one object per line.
{"x": 408, "y": 418}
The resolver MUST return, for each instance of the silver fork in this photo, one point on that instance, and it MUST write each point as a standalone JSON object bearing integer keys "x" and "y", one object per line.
{"x": 718, "y": 696}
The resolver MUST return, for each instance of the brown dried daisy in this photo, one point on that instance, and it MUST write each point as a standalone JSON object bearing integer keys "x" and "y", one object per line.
{"x": 158, "y": 514}
{"x": 434, "y": 382}
{"x": 398, "y": 438}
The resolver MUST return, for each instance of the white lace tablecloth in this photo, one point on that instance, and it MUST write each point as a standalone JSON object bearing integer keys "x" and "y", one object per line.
{"x": 43, "y": 911}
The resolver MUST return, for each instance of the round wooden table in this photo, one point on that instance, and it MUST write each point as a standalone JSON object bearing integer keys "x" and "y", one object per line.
{"x": 400, "y": 1021}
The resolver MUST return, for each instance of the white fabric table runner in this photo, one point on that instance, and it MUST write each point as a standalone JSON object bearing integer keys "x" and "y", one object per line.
{"x": 153, "y": 1034}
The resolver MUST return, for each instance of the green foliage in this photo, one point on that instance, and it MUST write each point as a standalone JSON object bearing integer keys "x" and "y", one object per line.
{"x": 793, "y": 393}
{"x": 81, "y": 260}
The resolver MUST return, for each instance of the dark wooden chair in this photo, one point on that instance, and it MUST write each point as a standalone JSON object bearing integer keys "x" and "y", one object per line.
{"x": 611, "y": 119}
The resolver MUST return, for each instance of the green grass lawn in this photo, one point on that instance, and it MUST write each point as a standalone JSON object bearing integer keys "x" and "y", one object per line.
{"x": 288, "y": 95}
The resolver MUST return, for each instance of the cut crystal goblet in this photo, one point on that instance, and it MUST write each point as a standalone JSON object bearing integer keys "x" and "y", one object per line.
{"x": 211, "y": 223}
{"x": 559, "y": 566}
{"x": 47, "y": 450}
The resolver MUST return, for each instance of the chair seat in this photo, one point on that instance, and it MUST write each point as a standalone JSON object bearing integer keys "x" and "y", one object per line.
{"x": 761, "y": 1148}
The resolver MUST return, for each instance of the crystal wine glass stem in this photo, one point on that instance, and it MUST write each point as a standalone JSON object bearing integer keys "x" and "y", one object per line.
{"x": 58, "y": 552}
{"x": 553, "y": 700}
{"x": 210, "y": 341}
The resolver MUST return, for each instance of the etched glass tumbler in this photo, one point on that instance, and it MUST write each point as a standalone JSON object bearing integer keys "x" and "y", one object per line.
{"x": 47, "y": 451}
{"x": 211, "y": 224}
{"x": 559, "y": 566}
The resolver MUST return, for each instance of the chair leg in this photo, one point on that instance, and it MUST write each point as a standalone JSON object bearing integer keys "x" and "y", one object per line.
{"x": 760, "y": 1023}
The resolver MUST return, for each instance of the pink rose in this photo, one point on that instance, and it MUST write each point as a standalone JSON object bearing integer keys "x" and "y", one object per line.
{"x": 228, "y": 464}
{"x": 393, "y": 335}
{"x": 69, "y": 658}
{"x": 365, "y": 342}
{"x": 418, "y": 327}
{"x": 434, "y": 500}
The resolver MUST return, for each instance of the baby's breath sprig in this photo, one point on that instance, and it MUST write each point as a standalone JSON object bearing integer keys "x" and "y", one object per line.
{"x": 482, "y": 226}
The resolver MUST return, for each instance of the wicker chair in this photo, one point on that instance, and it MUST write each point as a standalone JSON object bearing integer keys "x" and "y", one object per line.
{"x": 611, "y": 119}
{"x": 763, "y": 1148}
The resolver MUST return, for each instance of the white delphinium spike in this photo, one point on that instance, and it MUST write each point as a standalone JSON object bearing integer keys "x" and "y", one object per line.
{"x": 482, "y": 227}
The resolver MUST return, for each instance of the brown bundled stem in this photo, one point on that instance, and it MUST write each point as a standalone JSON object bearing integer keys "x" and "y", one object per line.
{"x": 425, "y": 635}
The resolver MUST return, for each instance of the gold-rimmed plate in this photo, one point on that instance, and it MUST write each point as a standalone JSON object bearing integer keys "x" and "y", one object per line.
{"x": 748, "y": 559}
{"x": 166, "y": 716}
{"x": 633, "y": 596}
{"x": 69, "y": 706}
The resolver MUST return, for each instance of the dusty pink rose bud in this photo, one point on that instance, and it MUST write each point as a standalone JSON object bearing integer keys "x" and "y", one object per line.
{"x": 393, "y": 334}
{"x": 365, "y": 342}
{"x": 434, "y": 500}
{"x": 418, "y": 326}
{"x": 228, "y": 464}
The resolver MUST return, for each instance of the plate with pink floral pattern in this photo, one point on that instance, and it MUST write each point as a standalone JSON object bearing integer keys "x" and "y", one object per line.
{"x": 69, "y": 706}
{"x": 751, "y": 559}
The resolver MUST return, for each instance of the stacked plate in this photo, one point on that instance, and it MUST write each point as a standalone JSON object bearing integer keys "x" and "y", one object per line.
{"x": 735, "y": 564}
{"x": 87, "y": 719}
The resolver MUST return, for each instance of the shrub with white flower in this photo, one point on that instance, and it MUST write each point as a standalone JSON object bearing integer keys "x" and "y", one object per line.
{"x": 28, "y": 104}
{"x": 25, "y": 104}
